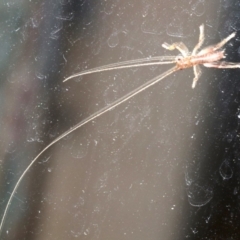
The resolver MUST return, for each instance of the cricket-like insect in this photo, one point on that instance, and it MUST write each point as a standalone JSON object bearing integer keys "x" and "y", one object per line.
{"x": 209, "y": 57}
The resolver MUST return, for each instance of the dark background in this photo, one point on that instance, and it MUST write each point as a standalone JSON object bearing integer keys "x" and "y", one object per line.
{"x": 164, "y": 165}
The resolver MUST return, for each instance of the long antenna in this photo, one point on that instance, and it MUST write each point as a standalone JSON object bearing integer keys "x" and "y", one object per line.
{"x": 150, "y": 61}
{"x": 82, "y": 123}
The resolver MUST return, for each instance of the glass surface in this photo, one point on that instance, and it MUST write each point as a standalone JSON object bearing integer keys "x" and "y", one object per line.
{"x": 163, "y": 165}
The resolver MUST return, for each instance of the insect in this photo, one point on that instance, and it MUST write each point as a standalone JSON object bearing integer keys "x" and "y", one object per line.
{"x": 209, "y": 57}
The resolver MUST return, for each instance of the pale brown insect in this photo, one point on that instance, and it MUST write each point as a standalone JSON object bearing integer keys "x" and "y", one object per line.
{"x": 209, "y": 57}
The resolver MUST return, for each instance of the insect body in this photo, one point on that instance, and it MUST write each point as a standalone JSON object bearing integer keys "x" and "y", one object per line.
{"x": 209, "y": 57}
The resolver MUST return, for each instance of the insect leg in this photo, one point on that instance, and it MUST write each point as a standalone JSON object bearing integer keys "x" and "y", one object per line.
{"x": 222, "y": 65}
{"x": 200, "y": 41}
{"x": 197, "y": 73}
{"x": 181, "y": 47}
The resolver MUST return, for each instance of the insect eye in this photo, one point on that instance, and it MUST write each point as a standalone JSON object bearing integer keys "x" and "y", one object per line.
{"x": 179, "y": 58}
